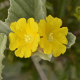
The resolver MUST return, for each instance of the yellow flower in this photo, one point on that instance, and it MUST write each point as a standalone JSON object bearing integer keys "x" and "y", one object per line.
{"x": 25, "y": 37}
{"x": 53, "y": 38}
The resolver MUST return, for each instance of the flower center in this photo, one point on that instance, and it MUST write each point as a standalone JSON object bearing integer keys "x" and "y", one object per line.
{"x": 28, "y": 38}
{"x": 50, "y": 37}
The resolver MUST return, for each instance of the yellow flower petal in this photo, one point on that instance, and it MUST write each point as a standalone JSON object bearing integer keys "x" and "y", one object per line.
{"x": 18, "y": 26}
{"x": 23, "y": 52}
{"x": 58, "y": 48}
{"x": 61, "y": 38}
{"x": 63, "y": 30}
{"x": 47, "y": 48}
{"x": 27, "y": 54}
{"x": 50, "y": 19}
{"x": 41, "y": 43}
{"x": 42, "y": 27}
{"x": 19, "y": 53}
{"x": 35, "y": 45}
{"x": 14, "y": 41}
{"x": 13, "y": 26}
{"x": 54, "y": 23}
{"x": 45, "y": 45}
{"x": 33, "y": 25}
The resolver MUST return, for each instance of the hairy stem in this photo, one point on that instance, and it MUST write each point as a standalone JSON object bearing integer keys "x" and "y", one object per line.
{"x": 40, "y": 71}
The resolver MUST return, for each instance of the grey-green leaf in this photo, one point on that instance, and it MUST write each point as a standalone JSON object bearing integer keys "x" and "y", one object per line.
{"x": 71, "y": 39}
{"x": 4, "y": 28}
{"x": 40, "y": 55}
{"x": 44, "y": 56}
{"x": 3, "y": 40}
{"x": 26, "y": 8}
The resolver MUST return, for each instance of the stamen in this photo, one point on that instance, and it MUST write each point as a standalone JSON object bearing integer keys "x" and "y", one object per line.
{"x": 50, "y": 37}
{"x": 28, "y": 38}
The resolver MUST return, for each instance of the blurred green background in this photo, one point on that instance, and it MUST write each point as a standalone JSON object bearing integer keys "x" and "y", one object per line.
{"x": 64, "y": 67}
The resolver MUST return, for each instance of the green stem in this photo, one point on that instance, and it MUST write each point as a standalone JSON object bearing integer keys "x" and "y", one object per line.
{"x": 41, "y": 73}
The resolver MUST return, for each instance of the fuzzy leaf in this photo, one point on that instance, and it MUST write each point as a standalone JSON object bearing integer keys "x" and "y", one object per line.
{"x": 3, "y": 40}
{"x": 40, "y": 55}
{"x": 4, "y": 28}
{"x": 44, "y": 56}
{"x": 26, "y": 8}
{"x": 71, "y": 39}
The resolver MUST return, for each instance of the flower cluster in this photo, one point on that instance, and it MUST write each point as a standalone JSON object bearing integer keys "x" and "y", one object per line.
{"x": 28, "y": 35}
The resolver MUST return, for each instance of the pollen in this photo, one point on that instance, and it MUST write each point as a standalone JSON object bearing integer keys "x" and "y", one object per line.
{"x": 50, "y": 37}
{"x": 28, "y": 38}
